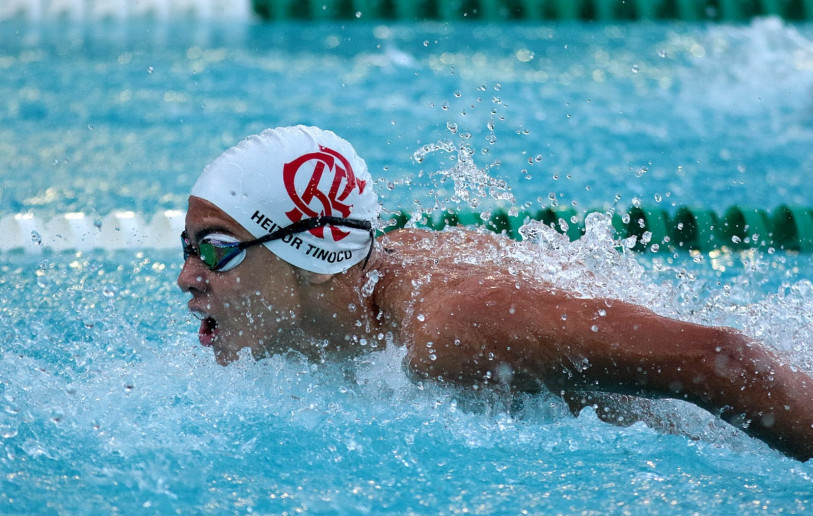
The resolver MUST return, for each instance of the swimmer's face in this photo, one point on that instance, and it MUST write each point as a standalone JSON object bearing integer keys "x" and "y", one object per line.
{"x": 254, "y": 305}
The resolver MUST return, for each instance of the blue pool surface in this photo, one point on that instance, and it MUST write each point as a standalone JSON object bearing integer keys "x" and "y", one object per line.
{"x": 108, "y": 404}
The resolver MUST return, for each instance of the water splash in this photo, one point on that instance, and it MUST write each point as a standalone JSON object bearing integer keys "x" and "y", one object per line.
{"x": 472, "y": 186}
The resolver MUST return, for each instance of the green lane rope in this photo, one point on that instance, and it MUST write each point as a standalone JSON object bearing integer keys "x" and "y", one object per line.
{"x": 533, "y": 10}
{"x": 788, "y": 228}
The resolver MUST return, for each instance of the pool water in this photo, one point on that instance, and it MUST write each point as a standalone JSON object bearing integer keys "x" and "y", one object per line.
{"x": 109, "y": 404}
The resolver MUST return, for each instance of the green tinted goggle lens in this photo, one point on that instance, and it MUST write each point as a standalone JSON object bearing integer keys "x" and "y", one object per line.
{"x": 217, "y": 255}
{"x": 217, "y": 252}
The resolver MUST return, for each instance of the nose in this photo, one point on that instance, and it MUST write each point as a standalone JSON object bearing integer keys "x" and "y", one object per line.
{"x": 193, "y": 276}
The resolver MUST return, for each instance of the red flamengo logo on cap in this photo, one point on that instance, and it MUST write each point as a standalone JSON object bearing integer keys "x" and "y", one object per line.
{"x": 314, "y": 201}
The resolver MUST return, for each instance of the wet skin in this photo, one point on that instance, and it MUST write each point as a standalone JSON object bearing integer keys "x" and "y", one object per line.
{"x": 467, "y": 323}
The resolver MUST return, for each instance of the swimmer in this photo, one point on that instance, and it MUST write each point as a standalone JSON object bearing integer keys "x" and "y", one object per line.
{"x": 280, "y": 256}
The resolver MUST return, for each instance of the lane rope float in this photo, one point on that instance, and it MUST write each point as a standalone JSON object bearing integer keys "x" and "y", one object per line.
{"x": 787, "y": 228}
{"x": 533, "y": 10}
{"x": 727, "y": 11}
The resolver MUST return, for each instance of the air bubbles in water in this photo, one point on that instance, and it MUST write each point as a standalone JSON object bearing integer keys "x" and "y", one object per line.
{"x": 36, "y": 237}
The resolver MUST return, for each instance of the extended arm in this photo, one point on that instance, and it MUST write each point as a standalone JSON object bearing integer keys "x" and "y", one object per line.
{"x": 486, "y": 331}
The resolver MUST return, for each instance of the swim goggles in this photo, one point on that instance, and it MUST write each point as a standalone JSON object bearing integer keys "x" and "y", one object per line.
{"x": 221, "y": 253}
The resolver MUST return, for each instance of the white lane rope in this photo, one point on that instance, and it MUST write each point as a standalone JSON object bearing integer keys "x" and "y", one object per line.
{"x": 81, "y": 232}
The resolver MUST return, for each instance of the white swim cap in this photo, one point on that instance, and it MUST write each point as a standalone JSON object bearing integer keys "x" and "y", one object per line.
{"x": 287, "y": 175}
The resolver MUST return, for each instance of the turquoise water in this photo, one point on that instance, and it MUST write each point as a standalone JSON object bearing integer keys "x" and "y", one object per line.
{"x": 109, "y": 404}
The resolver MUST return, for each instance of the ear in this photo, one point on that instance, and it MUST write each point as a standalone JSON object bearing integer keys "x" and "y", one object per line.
{"x": 312, "y": 278}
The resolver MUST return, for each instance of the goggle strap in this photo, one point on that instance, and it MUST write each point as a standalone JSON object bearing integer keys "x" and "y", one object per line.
{"x": 303, "y": 225}
{"x": 297, "y": 227}
{"x": 313, "y": 223}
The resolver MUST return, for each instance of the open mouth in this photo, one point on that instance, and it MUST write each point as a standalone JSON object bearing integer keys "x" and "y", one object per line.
{"x": 207, "y": 331}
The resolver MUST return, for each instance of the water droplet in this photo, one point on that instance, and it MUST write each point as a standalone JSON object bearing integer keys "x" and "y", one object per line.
{"x": 594, "y": 328}
{"x": 421, "y": 317}
{"x": 150, "y": 69}
{"x": 36, "y": 238}
{"x": 635, "y": 68}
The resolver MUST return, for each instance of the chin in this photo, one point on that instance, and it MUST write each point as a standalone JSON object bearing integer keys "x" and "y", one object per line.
{"x": 224, "y": 357}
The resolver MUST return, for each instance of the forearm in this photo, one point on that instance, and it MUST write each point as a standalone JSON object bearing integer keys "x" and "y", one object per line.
{"x": 567, "y": 343}
{"x": 631, "y": 350}
{"x": 753, "y": 390}
{"x": 721, "y": 371}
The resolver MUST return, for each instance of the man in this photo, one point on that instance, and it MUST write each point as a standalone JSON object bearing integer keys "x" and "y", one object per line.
{"x": 326, "y": 289}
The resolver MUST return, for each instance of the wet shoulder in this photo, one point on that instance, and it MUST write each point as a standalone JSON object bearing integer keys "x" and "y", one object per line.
{"x": 414, "y": 262}
{"x": 448, "y": 247}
